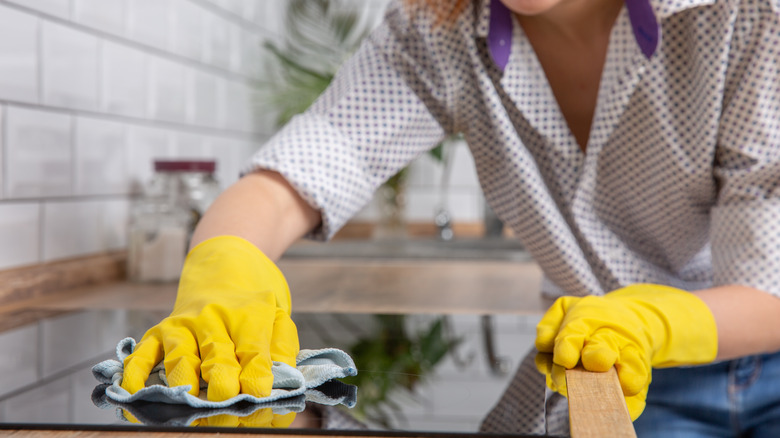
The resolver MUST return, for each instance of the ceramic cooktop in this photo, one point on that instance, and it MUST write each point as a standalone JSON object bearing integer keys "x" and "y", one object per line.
{"x": 421, "y": 373}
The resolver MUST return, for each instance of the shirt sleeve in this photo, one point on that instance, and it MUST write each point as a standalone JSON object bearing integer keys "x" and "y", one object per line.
{"x": 385, "y": 106}
{"x": 745, "y": 227}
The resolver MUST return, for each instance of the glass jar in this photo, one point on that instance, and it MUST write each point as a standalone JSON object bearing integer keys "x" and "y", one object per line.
{"x": 193, "y": 182}
{"x": 164, "y": 217}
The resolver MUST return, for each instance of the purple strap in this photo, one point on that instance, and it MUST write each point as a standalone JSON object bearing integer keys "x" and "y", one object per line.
{"x": 647, "y": 32}
{"x": 500, "y": 33}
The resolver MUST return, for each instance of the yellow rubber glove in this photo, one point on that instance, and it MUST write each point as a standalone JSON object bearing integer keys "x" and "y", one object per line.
{"x": 634, "y": 329}
{"x": 264, "y": 418}
{"x": 230, "y": 320}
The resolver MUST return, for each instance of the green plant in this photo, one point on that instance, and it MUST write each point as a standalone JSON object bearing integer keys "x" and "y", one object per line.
{"x": 393, "y": 362}
{"x": 319, "y": 36}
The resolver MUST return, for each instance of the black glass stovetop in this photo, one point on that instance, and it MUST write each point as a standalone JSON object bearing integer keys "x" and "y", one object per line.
{"x": 416, "y": 373}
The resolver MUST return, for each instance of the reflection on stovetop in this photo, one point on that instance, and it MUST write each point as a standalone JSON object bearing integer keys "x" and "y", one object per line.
{"x": 425, "y": 372}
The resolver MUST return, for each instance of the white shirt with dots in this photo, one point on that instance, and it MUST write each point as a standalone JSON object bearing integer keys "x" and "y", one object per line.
{"x": 680, "y": 184}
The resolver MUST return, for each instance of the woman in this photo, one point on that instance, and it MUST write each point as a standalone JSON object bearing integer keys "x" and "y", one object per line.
{"x": 634, "y": 149}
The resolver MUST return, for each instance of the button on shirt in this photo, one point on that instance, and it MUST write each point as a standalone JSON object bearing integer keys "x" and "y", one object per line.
{"x": 680, "y": 181}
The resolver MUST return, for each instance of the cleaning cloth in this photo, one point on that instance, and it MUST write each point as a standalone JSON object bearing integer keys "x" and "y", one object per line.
{"x": 325, "y": 396}
{"x": 314, "y": 368}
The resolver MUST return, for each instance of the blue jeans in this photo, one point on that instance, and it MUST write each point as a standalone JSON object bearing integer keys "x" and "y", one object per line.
{"x": 739, "y": 398}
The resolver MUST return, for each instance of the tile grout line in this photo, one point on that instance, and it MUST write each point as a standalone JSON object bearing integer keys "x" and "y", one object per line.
{"x": 100, "y": 82}
{"x": 136, "y": 121}
{"x": 74, "y": 126}
{"x": 39, "y": 55}
{"x": 243, "y": 22}
{"x": 3, "y": 152}
{"x": 41, "y": 229}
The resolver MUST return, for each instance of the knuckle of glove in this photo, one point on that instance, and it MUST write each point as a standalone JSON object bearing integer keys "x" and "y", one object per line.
{"x": 636, "y": 404}
{"x": 595, "y": 330}
{"x": 256, "y": 378}
{"x": 223, "y": 383}
{"x": 634, "y": 371}
{"x": 599, "y": 359}
{"x": 550, "y": 324}
{"x": 134, "y": 375}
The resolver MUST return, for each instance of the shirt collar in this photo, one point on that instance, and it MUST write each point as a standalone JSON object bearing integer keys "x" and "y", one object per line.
{"x": 495, "y": 24}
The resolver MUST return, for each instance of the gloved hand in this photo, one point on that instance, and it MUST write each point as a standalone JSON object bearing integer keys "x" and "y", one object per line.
{"x": 263, "y": 417}
{"x": 230, "y": 320}
{"x": 634, "y": 328}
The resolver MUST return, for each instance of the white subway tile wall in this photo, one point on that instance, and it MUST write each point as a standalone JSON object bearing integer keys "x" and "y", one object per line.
{"x": 91, "y": 91}
{"x": 19, "y": 230}
{"x": 38, "y": 153}
{"x": 144, "y": 144}
{"x": 18, "y": 59}
{"x": 2, "y": 152}
{"x": 201, "y": 98}
{"x": 101, "y": 164}
{"x": 125, "y": 84}
{"x": 106, "y": 15}
{"x": 55, "y": 8}
{"x": 69, "y": 67}
{"x": 167, "y": 90}
{"x": 188, "y": 36}
{"x": 83, "y": 227}
{"x": 149, "y": 22}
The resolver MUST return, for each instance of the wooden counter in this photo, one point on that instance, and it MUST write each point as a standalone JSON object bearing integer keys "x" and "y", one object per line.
{"x": 353, "y": 287}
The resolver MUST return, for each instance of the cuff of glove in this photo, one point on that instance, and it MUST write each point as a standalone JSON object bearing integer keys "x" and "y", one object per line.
{"x": 231, "y": 259}
{"x": 691, "y": 331}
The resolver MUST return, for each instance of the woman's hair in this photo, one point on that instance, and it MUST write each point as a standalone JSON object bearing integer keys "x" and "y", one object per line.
{"x": 445, "y": 11}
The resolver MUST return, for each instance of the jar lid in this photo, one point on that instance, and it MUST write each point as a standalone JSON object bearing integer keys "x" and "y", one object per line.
{"x": 184, "y": 166}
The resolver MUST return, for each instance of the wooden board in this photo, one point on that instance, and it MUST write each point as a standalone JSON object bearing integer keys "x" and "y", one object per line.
{"x": 349, "y": 286}
{"x": 597, "y": 408}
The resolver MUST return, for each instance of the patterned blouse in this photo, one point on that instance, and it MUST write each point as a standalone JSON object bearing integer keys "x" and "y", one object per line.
{"x": 680, "y": 181}
{"x": 680, "y": 184}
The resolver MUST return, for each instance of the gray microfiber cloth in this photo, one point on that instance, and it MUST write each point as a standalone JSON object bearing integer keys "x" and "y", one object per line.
{"x": 324, "y": 397}
{"x": 314, "y": 368}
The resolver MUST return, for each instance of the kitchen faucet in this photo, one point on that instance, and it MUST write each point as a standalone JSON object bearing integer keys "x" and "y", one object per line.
{"x": 443, "y": 222}
{"x": 443, "y": 218}
{"x": 494, "y": 228}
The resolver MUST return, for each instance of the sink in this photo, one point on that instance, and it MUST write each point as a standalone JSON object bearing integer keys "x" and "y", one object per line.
{"x": 486, "y": 249}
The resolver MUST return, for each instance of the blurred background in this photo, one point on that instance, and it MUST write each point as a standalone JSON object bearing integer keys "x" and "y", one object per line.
{"x": 91, "y": 91}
